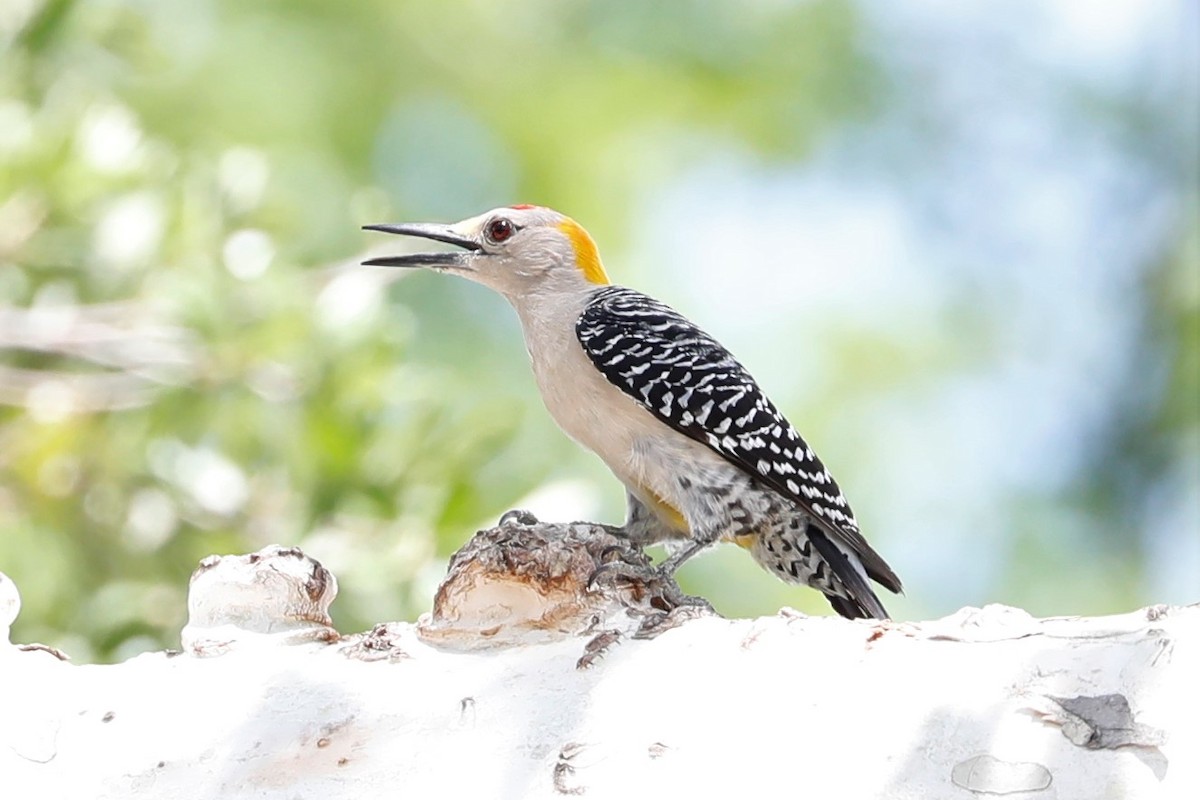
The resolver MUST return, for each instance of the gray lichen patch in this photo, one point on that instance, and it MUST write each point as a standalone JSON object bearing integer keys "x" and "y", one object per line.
{"x": 1104, "y": 722}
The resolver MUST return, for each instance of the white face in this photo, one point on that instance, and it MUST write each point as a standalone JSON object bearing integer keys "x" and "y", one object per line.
{"x": 517, "y": 251}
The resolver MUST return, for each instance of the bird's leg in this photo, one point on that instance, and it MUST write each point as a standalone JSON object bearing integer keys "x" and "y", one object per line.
{"x": 667, "y": 597}
{"x": 700, "y": 540}
{"x": 642, "y": 526}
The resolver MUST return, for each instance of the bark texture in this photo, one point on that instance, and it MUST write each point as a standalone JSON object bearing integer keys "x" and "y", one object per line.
{"x": 531, "y": 680}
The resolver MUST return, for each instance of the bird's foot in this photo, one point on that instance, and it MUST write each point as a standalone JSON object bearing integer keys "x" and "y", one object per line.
{"x": 685, "y": 609}
{"x": 657, "y": 589}
{"x": 612, "y": 573}
{"x": 671, "y": 612}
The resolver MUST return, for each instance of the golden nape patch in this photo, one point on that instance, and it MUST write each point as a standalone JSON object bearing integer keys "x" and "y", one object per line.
{"x": 586, "y": 254}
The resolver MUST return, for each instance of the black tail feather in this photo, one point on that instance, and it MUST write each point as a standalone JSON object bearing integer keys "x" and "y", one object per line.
{"x": 863, "y": 602}
{"x": 847, "y": 608}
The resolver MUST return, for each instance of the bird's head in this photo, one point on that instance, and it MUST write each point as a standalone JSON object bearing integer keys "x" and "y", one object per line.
{"x": 518, "y": 251}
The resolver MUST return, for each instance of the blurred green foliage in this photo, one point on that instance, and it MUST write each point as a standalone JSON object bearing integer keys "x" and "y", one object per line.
{"x": 193, "y": 363}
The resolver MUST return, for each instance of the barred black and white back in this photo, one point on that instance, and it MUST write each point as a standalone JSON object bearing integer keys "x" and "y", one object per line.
{"x": 689, "y": 381}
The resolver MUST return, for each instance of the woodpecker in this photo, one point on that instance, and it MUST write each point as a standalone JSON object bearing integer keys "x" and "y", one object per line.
{"x": 703, "y": 453}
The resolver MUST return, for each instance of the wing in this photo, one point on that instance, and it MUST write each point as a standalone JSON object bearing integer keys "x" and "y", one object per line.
{"x": 689, "y": 381}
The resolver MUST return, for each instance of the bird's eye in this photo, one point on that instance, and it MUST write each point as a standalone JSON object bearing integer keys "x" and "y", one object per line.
{"x": 500, "y": 229}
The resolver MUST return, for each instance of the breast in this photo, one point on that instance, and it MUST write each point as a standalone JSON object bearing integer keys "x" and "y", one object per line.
{"x": 634, "y": 444}
{"x": 587, "y": 407}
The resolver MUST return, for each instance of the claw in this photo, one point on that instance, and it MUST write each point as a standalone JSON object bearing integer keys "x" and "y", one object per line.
{"x": 688, "y": 608}
{"x": 518, "y": 516}
{"x": 607, "y": 553}
{"x": 613, "y": 570}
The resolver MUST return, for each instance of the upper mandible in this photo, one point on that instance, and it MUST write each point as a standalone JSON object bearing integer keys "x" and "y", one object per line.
{"x": 516, "y": 250}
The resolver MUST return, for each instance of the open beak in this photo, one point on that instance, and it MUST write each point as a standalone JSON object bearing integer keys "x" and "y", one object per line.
{"x": 426, "y": 230}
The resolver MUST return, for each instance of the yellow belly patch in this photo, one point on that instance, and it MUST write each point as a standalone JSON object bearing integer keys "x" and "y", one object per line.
{"x": 668, "y": 513}
{"x": 744, "y": 540}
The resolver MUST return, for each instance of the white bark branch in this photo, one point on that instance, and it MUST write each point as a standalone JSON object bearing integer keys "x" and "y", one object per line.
{"x": 486, "y": 696}
{"x": 137, "y": 356}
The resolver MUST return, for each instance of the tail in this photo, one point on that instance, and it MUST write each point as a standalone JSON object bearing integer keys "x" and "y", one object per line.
{"x": 861, "y": 602}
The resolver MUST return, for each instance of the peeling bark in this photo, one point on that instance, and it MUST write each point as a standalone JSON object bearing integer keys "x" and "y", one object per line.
{"x": 533, "y": 677}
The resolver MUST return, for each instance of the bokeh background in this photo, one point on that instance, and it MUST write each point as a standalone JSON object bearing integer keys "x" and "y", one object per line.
{"x": 956, "y": 242}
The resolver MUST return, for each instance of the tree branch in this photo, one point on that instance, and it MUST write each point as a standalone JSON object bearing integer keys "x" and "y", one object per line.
{"x": 525, "y": 681}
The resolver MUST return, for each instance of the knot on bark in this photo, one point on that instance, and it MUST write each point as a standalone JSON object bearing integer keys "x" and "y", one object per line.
{"x": 525, "y": 581}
